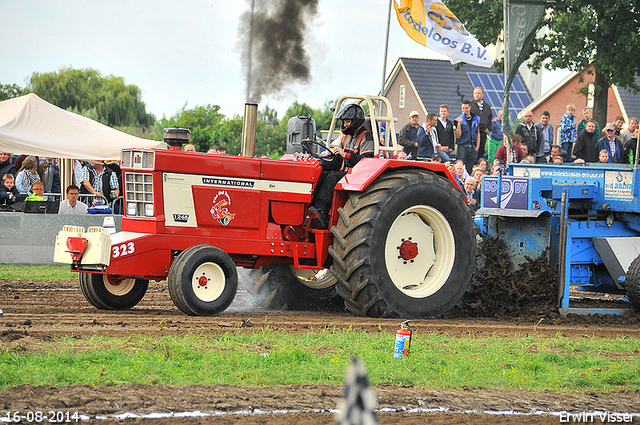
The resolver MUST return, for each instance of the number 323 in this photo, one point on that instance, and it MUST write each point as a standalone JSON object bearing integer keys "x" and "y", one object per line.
{"x": 124, "y": 249}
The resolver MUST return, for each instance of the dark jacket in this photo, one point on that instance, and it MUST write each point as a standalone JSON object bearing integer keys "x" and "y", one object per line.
{"x": 617, "y": 157}
{"x": 586, "y": 146}
{"x": 446, "y": 135}
{"x": 530, "y": 137}
{"x": 408, "y": 140}
{"x": 4, "y": 194}
{"x": 486, "y": 115}
{"x": 106, "y": 182}
{"x": 7, "y": 168}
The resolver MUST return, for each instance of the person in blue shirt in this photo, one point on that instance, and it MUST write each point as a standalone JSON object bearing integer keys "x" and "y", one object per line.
{"x": 494, "y": 141}
{"x": 468, "y": 136}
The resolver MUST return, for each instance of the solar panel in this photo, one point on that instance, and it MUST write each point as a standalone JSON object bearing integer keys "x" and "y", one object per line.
{"x": 493, "y": 86}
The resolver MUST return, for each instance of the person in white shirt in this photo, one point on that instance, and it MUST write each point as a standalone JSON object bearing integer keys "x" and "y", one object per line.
{"x": 71, "y": 205}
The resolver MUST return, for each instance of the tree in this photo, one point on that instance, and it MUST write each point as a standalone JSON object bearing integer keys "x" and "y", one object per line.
{"x": 9, "y": 91}
{"x": 87, "y": 92}
{"x": 605, "y": 34}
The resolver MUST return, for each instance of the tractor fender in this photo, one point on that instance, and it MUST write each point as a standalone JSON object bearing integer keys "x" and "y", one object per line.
{"x": 367, "y": 170}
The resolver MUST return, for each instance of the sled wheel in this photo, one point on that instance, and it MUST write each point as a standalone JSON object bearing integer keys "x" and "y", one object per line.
{"x": 405, "y": 246}
{"x": 203, "y": 280}
{"x": 281, "y": 287}
{"x": 633, "y": 283}
{"x": 108, "y": 292}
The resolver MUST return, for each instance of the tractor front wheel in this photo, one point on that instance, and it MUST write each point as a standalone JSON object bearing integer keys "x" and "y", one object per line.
{"x": 633, "y": 283}
{"x": 108, "y": 292}
{"x": 405, "y": 246}
{"x": 282, "y": 287}
{"x": 203, "y": 280}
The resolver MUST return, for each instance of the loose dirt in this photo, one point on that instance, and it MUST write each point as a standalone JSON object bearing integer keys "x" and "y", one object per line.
{"x": 35, "y": 312}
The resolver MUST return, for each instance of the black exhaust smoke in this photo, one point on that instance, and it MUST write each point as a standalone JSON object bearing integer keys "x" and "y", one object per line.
{"x": 273, "y": 45}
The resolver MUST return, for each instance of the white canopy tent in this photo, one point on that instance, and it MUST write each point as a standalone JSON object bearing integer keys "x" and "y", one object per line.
{"x": 32, "y": 126}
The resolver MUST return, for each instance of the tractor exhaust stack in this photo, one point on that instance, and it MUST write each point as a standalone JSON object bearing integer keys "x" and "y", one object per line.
{"x": 249, "y": 129}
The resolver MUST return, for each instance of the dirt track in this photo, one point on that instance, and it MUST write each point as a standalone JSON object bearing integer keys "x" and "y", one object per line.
{"x": 36, "y": 312}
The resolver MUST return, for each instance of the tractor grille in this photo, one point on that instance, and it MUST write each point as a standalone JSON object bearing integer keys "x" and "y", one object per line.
{"x": 139, "y": 194}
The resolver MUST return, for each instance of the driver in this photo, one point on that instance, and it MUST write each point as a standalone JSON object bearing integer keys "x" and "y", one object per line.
{"x": 353, "y": 144}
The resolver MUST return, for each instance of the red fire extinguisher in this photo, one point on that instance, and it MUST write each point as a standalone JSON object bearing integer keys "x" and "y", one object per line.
{"x": 403, "y": 340}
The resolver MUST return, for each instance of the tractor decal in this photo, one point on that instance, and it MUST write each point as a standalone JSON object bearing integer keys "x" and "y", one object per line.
{"x": 219, "y": 210}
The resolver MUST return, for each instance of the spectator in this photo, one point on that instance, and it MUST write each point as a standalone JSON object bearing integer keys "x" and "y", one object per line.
{"x": 221, "y": 150}
{"x": 468, "y": 135}
{"x": 525, "y": 149}
{"x": 483, "y": 110}
{"x": 529, "y": 134}
{"x": 611, "y": 144}
{"x": 8, "y": 190}
{"x": 586, "y": 146}
{"x": 529, "y": 158}
{"x": 515, "y": 155}
{"x": 618, "y": 123}
{"x": 498, "y": 167}
{"x": 546, "y": 130}
{"x": 629, "y": 148}
{"x": 461, "y": 173}
{"x": 27, "y": 175}
{"x": 71, "y": 205}
{"x": 6, "y": 166}
{"x": 478, "y": 174}
{"x": 557, "y": 160}
{"x": 568, "y": 132}
{"x": 579, "y": 161}
{"x": 472, "y": 193}
{"x": 482, "y": 164}
{"x": 587, "y": 114}
{"x": 436, "y": 158}
{"x": 446, "y": 131}
{"x": 100, "y": 181}
{"x": 603, "y": 156}
{"x": 189, "y": 148}
{"x": 411, "y": 134}
{"x": 50, "y": 175}
{"x": 494, "y": 140}
{"x": 628, "y": 132}
{"x": 37, "y": 192}
{"x": 77, "y": 172}
{"x": 430, "y": 144}
{"x": 20, "y": 159}
{"x": 556, "y": 150}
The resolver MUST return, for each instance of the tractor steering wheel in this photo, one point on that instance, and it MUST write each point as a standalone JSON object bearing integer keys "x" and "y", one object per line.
{"x": 325, "y": 155}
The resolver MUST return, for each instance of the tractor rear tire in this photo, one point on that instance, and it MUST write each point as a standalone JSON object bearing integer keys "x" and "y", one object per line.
{"x": 109, "y": 293}
{"x": 633, "y": 283}
{"x": 281, "y": 287}
{"x": 404, "y": 247}
{"x": 203, "y": 281}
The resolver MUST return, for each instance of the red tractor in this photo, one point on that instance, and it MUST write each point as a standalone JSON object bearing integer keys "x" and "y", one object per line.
{"x": 400, "y": 239}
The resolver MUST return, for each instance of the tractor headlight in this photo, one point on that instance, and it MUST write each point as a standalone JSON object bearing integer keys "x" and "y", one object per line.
{"x": 131, "y": 209}
{"x": 148, "y": 210}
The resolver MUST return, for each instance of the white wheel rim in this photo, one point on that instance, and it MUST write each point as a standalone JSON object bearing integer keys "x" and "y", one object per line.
{"x": 422, "y": 237}
{"x": 315, "y": 279}
{"x": 118, "y": 287}
{"x": 208, "y": 281}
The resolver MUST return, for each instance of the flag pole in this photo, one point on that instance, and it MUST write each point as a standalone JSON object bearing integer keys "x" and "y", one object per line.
{"x": 386, "y": 49}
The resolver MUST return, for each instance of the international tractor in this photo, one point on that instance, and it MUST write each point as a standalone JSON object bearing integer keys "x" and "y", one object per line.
{"x": 400, "y": 240}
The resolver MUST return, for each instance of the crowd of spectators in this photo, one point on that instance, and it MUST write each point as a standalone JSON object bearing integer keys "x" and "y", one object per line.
{"x": 27, "y": 178}
{"x": 475, "y": 138}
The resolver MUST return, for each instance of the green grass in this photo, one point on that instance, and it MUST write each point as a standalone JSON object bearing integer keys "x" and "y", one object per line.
{"x": 270, "y": 358}
{"x": 36, "y": 273}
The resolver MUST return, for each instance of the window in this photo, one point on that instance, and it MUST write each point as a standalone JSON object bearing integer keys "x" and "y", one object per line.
{"x": 401, "y": 97}
{"x": 493, "y": 86}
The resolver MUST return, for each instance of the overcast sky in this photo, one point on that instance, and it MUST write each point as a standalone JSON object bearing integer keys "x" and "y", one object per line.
{"x": 181, "y": 52}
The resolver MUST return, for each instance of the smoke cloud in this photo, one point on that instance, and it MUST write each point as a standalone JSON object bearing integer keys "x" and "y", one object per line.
{"x": 272, "y": 42}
